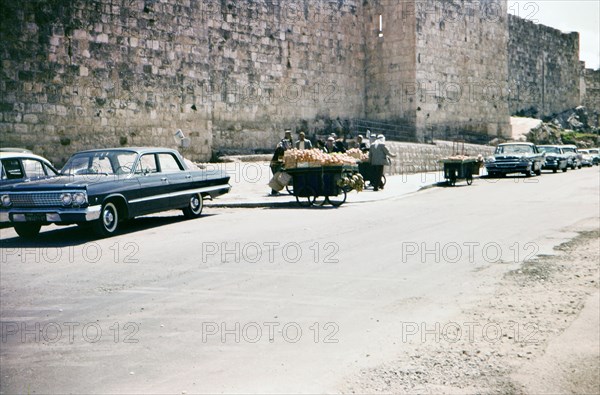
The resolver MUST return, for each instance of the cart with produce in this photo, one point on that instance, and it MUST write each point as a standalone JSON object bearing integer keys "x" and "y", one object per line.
{"x": 460, "y": 166}
{"x": 316, "y": 186}
{"x": 319, "y": 178}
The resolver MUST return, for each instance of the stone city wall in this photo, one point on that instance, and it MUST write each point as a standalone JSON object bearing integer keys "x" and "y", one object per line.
{"x": 543, "y": 68}
{"x": 461, "y": 65}
{"x": 233, "y": 74}
{"x": 590, "y": 95}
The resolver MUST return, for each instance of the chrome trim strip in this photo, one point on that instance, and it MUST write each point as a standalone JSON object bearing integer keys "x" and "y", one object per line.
{"x": 187, "y": 191}
{"x": 45, "y": 191}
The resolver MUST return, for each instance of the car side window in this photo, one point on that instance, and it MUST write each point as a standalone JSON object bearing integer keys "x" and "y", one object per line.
{"x": 33, "y": 168}
{"x": 12, "y": 169}
{"x": 147, "y": 164}
{"x": 168, "y": 163}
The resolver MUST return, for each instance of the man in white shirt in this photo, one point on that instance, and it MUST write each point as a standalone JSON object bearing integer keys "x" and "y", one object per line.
{"x": 303, "y": 143}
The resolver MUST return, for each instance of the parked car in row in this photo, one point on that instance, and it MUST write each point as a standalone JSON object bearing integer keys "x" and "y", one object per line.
{"x": 587, "y": 159}
{"x": 511, "y": 158}
{"x": 21, "y": 165}
{"x": 105, "y": 187}
{"x": 555, "y": 158}
{"x": 574, "y": 156}
{"x": 595, "y": 152}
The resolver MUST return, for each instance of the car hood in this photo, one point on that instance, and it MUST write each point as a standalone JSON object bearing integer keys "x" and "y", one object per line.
{"x": 61, "y": 183}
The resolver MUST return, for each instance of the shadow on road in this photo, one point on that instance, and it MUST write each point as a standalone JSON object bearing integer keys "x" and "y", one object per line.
{"x": 77, "y": 235}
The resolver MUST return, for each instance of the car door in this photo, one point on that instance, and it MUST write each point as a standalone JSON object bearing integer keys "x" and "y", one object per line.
{"x": 179, "y": 180}
{"x": 153, "y": 194}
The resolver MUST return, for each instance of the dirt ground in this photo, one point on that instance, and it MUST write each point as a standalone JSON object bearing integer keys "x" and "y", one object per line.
{"x": 538, "y": 334}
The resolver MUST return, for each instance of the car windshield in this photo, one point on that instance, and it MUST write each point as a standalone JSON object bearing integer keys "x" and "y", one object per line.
{"x": 567, "y": 149}
{"x": 100, "y": 162}
{"x": 594, "y": 151}
{"x": 550, "y": 150}
{"x": 515, "y": 149}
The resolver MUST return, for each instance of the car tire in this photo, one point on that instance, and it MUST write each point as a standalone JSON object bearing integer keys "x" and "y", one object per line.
{"x": 565, "y": 169}
{"x": 194, "y": 207}
{"x": 554, "y": 170}
{"x": 538, "y": 172}
{"x": 27, "y": 231}
{"x": 108, "y": 222}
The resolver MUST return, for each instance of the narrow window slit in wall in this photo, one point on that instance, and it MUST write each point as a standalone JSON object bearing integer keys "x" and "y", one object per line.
{"x": 380, "y": 25}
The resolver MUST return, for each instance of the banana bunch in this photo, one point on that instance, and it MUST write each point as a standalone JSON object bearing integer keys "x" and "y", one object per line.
{"x": 354, "y": 181}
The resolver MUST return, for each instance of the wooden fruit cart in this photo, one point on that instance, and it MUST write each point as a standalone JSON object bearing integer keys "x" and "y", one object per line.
{"x": 460, "y": 169}
{"x": 316, "y": 186}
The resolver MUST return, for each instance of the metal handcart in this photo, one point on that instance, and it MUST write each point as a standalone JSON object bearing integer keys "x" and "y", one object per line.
{"x": 460, "y": 169}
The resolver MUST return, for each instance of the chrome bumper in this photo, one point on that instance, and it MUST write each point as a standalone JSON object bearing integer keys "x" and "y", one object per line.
{"x": 50, "y": 215}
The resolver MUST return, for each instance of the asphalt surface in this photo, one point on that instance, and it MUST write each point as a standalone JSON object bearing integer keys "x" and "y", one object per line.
{"x": 267, "y": 300}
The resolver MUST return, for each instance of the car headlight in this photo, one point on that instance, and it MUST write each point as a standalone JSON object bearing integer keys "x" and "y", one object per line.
{"x": 66, "y": 199}
{"x": 79, "y": 198}
{"x": 490, "y": 159}
{"x": 6, "y": 200}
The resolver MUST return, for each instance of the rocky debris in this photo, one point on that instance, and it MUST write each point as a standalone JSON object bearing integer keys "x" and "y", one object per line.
{"x": 546, "y": 133}
{"x": 578, "y": 119}
{"x": 577, "y": 126}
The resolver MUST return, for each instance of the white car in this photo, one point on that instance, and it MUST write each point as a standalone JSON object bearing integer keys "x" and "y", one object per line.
{"x": 19, "y": 165}
{"x": 586, "y": 158}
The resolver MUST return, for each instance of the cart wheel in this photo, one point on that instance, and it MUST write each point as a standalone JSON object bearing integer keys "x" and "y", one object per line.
{"x": 470, "y": 180}
{"x": 337, "y": 201}
{"x": 305, "y": 196}
{"x": 319, "y": 200}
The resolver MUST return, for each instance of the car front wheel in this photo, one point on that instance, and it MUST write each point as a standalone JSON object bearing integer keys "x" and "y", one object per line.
{"x": 194, "y": 207}
{"x": 108, "y": 222}
{"x": 28, "y": 231}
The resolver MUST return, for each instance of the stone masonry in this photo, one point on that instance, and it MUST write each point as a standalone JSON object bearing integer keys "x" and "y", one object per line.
{"x": 544, "y": 68}
{"x": 234, "y": 74}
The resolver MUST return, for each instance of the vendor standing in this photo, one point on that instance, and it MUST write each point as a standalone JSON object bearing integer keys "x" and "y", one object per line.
{"x": 361, "y": 144}
{"x": 277, "y": 160}
{"x": 378, "y": 157}
{"x": 331, "y": 145}
{"x": 302, "y": 143}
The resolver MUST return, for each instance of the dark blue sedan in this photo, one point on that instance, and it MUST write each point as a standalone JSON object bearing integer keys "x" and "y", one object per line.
{"x": 105, "y": 187}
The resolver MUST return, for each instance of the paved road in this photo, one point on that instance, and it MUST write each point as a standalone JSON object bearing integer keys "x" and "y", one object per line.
{"x": 267, "y": 300}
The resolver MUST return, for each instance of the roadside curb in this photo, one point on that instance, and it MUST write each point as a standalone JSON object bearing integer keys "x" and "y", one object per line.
{"x": 294, "y": 204}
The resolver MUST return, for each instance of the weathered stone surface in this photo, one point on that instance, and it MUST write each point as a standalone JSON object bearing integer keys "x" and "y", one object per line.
{"x": 544, "y": 68}
{"x": 417, "y": 158}
{"x": 234, "y": 74}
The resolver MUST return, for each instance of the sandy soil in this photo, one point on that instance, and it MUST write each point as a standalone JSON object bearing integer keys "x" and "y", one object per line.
{"x": 539, "y": 334}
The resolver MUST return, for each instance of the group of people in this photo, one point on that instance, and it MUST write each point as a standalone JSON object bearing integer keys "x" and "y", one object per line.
{"x": 379, "y": 154}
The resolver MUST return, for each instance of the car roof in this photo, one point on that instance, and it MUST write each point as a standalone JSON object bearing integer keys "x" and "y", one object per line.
{"x": 140, "y": 150}
{"x": 516, "y": 143}
{"x": 550, "y": 145}
{"x": 24, "y": 155}
{"x": 13, "y": 149}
